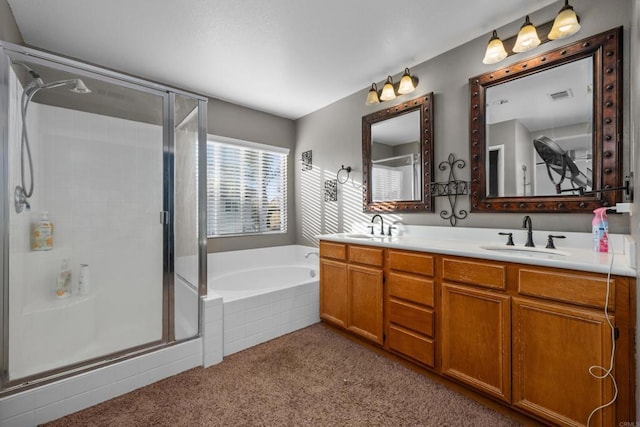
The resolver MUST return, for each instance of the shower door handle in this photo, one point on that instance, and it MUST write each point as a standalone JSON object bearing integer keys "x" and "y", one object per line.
{"x": 164, "y": 217}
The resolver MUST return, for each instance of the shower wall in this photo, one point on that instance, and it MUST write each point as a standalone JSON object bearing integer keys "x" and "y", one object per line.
{"x": 100, "y": 179}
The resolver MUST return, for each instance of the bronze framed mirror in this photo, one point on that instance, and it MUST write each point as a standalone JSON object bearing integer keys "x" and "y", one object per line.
{"x": 397, "y": 157}
{"x": 545, "y": 133}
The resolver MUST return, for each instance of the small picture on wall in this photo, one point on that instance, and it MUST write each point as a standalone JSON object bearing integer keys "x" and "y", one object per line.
{"x": 331, "y": 190}
{"x": 307, "y": 162}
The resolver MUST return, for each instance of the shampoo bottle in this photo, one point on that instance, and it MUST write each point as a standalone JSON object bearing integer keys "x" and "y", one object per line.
{"x": 43, "y": 234}
{"x": 63, "y": 289}
{"x": 600, "y": 230}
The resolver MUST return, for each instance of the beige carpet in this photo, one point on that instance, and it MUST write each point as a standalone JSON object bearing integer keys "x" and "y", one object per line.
{"x": 312, "y": 377}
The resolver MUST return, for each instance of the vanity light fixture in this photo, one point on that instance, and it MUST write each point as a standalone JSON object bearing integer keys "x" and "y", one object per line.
{"x": 566, "y": 23}
{"x": 495, "y": 50}
{"x": 372, "y": 96}
{"x": 388, "y": 92}
{"x": 527, "y": 37}
{"x": 390, "y": 89}
{"x": 406, "y": 84}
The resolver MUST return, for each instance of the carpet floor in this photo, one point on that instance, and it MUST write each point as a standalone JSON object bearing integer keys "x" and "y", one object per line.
{"x": 312, "y": 377}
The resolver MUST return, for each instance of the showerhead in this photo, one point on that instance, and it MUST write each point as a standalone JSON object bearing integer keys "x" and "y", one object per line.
{"x": 80, "y": 88}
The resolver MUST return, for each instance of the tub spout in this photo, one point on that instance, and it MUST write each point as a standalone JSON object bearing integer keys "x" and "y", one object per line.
{"x": 308, "y": 254}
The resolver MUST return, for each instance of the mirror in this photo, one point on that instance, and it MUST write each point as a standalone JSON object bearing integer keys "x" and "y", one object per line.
{"x": 397, "y": 157}
{"x": 545, "y": 131}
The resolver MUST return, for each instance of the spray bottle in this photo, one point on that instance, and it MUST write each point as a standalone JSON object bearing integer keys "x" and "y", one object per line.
{"x": 600, "y": 230}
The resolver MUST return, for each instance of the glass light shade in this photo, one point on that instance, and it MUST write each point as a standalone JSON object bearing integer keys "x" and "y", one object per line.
{"x": 565, "y": 24}
{"x": 527, "y": 37}
{"x": 495, "y": 50}
{"x": 406, "y": 83}
{"x": 388, "y": 93}
{"x": 372, "y": 96}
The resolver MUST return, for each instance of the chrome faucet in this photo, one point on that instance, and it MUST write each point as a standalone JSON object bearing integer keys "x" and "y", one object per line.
{"x": 526, "y": 223}
{"x": 381, "y": 224}
{"x": 308, "y": 254}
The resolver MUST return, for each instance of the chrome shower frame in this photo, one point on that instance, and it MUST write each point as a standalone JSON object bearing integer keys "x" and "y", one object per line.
{"x": 15, "y": 53}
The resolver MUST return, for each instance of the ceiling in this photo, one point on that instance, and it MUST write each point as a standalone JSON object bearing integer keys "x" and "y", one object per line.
{"x": 285, "y": 57}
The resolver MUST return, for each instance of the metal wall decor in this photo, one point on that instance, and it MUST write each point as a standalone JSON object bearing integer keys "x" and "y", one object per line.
{"x": 307, "y": 160}
{"x": 452, "y": 189}
{"x": 330, "y": 190}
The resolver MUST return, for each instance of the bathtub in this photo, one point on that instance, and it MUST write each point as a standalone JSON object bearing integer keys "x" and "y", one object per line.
{"x": 265, "y": 292}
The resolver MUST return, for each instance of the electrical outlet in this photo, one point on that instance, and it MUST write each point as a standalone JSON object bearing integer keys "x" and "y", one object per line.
{"x": 623, "y": 208}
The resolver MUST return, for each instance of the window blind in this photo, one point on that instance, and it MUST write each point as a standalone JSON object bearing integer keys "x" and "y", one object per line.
{"x": 246, "y": 189}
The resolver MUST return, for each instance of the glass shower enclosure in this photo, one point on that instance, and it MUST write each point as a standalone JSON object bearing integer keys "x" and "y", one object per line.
{"x": 103, "y": 252}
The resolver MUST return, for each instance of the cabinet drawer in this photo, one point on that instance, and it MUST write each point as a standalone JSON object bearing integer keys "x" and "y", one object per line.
{"x": 479, "y": 273}
{"x": 411, "y": 344}
{"x": 366, "y": 255}
{"x": 411, "y": 316}
{"x": 573, "y": 288}
{"x": 411, "y": 288}
{"x": 411, "y": 262}
{"x": 333, "y": 250}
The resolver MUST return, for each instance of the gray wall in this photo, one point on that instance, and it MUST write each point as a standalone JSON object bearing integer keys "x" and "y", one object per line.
{"x": 334, "y": 132}
{"x": 634, "y": 94}
{"x": 8, "y": 29}
{"x": 234, "y": 121}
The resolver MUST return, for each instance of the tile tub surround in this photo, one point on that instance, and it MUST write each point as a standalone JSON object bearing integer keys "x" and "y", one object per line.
{"x": 264, "y": 315}
{"x": 60, "y": 398}
{"x": 468, "y": 242}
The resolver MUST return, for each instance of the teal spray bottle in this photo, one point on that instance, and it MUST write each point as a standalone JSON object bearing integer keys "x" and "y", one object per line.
{"x": 600, "y": 230}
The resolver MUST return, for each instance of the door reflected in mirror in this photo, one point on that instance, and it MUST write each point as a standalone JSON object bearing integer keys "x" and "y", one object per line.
{"x": 395, "y": 159}
{"x": 539, "y": 133}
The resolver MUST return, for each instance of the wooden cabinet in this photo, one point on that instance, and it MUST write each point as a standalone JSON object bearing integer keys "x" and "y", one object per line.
{"x": 476, "y": 327}
{"x": 365, "y": 302}
{"x": 333, "y": 292}
{"x": 410, "y": 306}
{"x": 520, "y": 334}
{"x": 476, "y": 339}
{"x": 553, "y": 348}
{"x": 560, "y": 331}
{"x": 351, "y": 288}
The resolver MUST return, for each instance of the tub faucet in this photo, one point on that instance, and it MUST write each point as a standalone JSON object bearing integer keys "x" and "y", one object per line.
{"x": 308, "y": 254}
{"x": 526, "y": 223}
{"x": 381, "y": 224}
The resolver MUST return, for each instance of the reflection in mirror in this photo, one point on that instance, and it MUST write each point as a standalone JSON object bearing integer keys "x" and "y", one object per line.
{"x": 397, "y": 157}
{"x": 539, "y": 133}
{"x": 545, "y": 131}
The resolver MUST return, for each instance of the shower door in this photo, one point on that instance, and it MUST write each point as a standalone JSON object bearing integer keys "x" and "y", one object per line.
{"x": 97, "y": 157}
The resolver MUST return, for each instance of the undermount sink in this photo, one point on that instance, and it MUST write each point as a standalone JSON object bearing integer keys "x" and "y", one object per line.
{"x": 524, "y": 250}
{"x": 362, "y": 236}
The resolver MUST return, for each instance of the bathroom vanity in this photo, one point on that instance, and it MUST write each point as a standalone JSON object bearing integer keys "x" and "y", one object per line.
{"x": 520, "y": 327}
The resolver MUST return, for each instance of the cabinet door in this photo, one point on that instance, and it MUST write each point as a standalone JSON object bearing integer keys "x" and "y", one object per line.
{"x": 553, "y": 348}
{"x": 476, "y": 339}
{"x": 333, "y": 292}
{"x": 365, "y": 302}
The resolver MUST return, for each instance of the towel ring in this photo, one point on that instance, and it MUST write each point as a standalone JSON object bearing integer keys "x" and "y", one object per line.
{"x": 341, "y": 177}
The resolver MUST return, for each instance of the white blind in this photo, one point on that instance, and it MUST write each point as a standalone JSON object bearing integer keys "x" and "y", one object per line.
{"x": 246, "y": 189}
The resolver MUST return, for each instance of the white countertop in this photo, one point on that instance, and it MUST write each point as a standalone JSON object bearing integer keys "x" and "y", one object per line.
{"x": 574, "y": 252}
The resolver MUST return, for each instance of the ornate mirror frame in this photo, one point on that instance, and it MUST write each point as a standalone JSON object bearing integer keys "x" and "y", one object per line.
{"x": 606, "y": 51}
{"x": 424, "y": 104}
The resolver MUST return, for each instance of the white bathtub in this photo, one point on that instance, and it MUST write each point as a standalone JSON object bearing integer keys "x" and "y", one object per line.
{"x": 266, "y": 293}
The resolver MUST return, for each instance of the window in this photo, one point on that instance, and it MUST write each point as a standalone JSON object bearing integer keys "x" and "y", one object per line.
{"x": 246, "y": 188}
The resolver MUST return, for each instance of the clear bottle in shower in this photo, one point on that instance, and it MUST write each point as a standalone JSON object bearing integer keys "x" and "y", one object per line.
{"x": 63, "y": 288}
